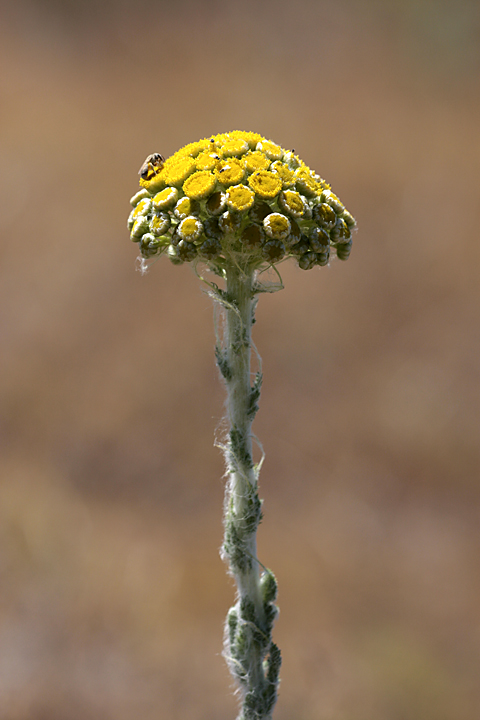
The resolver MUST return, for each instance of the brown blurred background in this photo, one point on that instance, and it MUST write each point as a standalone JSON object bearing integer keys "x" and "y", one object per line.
{"x": 112, "y": 590}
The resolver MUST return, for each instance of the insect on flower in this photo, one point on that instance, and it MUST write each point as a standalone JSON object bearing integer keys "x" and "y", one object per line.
{"x": 152, "y": 166}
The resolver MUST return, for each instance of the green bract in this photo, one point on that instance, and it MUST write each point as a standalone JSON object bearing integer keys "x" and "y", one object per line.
{"x": 239, "y": 197}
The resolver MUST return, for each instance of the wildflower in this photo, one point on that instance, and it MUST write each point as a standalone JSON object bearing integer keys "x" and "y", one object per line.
{"x": 240, "y": 204}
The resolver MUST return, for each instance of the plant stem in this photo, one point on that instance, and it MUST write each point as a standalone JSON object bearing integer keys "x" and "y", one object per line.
{"x": 253, "y": 658}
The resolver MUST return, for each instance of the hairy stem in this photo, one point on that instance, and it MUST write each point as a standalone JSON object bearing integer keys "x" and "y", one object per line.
{"x": 253, "y": 658}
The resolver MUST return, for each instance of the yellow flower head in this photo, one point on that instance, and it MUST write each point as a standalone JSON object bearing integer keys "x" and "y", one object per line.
{"x": 257, "y": 161}
{"x": 142, "y": 209}
{"x": 293, "y": 203}
{"x": 190, "y": 228}
{"x": 277, "y": 226}
{"x": 185, "y": 206}
{"x": 235, "y": 147}
{"x": 238, "y": 197}
{"x": 206, "y": 161}
{"x": 199, "y": 185}
{"x": 306, "y": 182}
{"x": 286, "y": 175}
{"x": 166, "y": 198}
{"x": 159, "y": 224}
{"x": 177, "y": 171}
{"x": 265, "y": 184}
{"x": 230, "y": 171}
{"x": 272, "y": 151}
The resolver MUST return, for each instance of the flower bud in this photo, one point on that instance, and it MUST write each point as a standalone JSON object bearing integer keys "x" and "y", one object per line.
{"x": 334, "y": 201}
{"x": 186, "y": 251}
{"x": 140, "y": 227}
{"x": 319, "y": 240}
{"x": 165, "y": 199}
{"x": 140, "y": 195}
{"x": 343, "y": 251}
{"x": 341, "y": 232}
{"x": 217, "y": 203}
{"x": 252, "y": 237}
{"x": 159, "y": 224}
{"x": 277, "y": 226}
{"x": 273, "y": 250}
{"x": 185, "y": 207}
{"x": 307, "y": 261}
{"x": 189, "y": 229}
{"x": 324, "y": 216}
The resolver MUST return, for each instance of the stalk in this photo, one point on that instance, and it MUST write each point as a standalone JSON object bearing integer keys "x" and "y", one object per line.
{"x": 253, "y": 658}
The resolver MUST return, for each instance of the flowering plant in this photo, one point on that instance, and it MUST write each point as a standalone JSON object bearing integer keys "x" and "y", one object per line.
{"x": 240, "y": 204}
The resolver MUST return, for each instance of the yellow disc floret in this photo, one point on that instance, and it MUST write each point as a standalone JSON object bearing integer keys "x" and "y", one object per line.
{"x": 265, "y": 184}
{"x": 159, "y": 224}
{"x": 177, "y": 170}
{"x": 206, "y": 161}
{"x": 272, "y": 151}
{"x": 142, "y": 209}
{"x": 185, "y": 206}
{"x": 230, "y": 172}
{"x": 305, "y": 181}
{"x": 250, "y": 138}
{"x": 235, "y": 147}
{"x": 156, "y": 183}
{"x": 165, "y": 199}
{"x": 287, "y": 176}
{"x": 293, "y": 203}
{"x": 256, "y": 161}
{"x": 193, "y": 149}
{"x": 240, "y": 198}
{"x": 277, "y": 226}
{"x": 190, "y": 228}
{"x": 199, "y": 185}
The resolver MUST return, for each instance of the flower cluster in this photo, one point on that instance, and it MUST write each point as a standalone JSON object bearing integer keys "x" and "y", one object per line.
{"x": 237, "y": 197}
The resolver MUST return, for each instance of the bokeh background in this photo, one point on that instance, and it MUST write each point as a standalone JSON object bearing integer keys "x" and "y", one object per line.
{"x": 112, "y": 592}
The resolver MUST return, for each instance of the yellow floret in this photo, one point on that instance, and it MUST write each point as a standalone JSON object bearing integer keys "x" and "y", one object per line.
{"x": 234, "y": 147}
{"x": 156, "y": 183}
{"x": 293, "y": 203}
{"x": 159, "y": 224}
{"x": 230, "y": 172}
{"x": 256, "y": 161}
{"x": 166, "y": 198}
{"x": 193, "y": 149}
{"x": 207, "y": 160}
{"x": 177, "y": 169}
{"x": 240, "y": 198}
{"x": 190, "y": 228}
{"x": 277, "y": 226}
{"x": 185, "y": 206}
{"x": 142, "y": 209}
{"x": 274, "y": 152}
{"x": 286, "y": 175}
{"x": 250, "y": 137}
{"x": 265, "y": 184}
{"x": 199, "y": 185}
{"x": 306, "y": 182}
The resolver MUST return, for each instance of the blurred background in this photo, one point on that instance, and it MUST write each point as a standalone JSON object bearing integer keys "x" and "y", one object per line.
{"x": 112, "y": 592}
